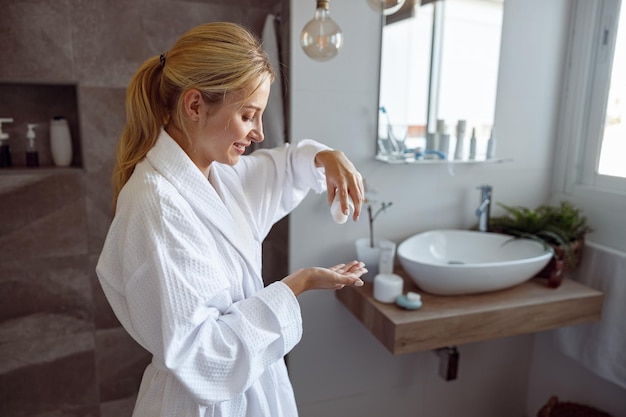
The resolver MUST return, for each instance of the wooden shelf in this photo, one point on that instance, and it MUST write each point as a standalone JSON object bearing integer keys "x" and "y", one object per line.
{"x": 455, "y": 320}
{"x": 46, "y": 170}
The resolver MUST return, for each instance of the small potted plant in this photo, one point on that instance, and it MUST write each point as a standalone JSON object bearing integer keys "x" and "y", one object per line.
{"x": 563, "y": 227}
{"x": 368, "y": 249}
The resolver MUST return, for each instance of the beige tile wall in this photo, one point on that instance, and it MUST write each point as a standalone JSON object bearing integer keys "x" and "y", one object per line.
{"x": 62, "y": 352}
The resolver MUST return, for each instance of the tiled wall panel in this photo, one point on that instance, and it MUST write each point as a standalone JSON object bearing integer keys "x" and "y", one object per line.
{"x": 62, "y": 351}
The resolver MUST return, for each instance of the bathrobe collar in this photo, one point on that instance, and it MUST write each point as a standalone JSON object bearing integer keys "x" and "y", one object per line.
{"x": 169, "y": 159}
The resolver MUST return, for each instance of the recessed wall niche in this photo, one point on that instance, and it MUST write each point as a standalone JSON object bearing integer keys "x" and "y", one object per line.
{"x": 38, "y": 103}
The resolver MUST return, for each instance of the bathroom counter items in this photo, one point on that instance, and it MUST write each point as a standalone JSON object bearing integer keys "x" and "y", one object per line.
{"x": 454, "y": 320}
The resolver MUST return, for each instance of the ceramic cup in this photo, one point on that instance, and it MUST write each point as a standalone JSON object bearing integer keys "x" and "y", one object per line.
{"x": 370, "y": 256}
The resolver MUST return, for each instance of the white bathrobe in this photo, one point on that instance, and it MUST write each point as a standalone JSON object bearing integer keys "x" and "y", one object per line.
{"x": 181, "y": 268}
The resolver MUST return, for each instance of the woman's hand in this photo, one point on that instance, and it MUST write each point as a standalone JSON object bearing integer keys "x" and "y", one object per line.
{"x": 342, "y": 178}
{"x": 333, "y": 278}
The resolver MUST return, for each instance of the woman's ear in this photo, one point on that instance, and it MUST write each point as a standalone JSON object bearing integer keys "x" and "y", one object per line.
{"x": 192, "y": 103}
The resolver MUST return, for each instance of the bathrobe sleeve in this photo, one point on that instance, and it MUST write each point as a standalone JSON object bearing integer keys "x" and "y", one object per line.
{"x": 171, "y": 283}
{"x": 274, "y": 181}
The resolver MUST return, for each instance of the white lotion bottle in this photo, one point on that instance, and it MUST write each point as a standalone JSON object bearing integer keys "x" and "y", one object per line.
{"x": 387, "y": 255}
{"x": 491, "y": 146}
{"x": 60, "y": 142}
{"x": 444, "y": 141}
{"x": 472, "y": 150}
{"x": 459, "y": 150}
{"x": 432, "y": 140}
{"x": 335, "y": 210}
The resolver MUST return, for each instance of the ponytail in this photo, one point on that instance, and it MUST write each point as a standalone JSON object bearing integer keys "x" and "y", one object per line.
{"x": 144, "y": 118}
{"x": 215, "y": 58}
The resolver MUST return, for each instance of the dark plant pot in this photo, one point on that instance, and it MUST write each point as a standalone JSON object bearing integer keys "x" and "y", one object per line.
{"x": 560, "y": 265}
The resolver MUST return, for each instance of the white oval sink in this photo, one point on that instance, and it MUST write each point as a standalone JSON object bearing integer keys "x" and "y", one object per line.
{"x": 454, "y": 262}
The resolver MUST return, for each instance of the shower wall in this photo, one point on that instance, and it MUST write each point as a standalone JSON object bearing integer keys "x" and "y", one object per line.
{"x": 62, "y": 351}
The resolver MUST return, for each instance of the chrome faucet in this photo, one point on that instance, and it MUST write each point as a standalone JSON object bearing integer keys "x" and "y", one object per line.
{"x": 482, "y": 212}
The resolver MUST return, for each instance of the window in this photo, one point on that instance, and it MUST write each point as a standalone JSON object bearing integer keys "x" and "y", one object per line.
{"x": 590, "y": 162}
{"x": 613, "y": 148}
{"x": 596, "y": 95}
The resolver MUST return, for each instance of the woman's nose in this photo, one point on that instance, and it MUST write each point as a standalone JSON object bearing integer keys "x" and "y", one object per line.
{"x": 256, "y": 134}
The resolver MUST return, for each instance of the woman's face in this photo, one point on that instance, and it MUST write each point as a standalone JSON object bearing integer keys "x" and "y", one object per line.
{"x": 222, "y": 132}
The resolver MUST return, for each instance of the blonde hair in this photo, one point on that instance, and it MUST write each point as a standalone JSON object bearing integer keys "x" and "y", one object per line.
{"x": 216, "y": 58}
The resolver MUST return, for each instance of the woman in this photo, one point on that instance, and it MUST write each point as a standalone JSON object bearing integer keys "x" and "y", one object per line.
{"x": 181, "y": 265}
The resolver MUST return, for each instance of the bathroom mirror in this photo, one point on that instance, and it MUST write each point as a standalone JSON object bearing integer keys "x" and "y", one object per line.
{"x": 438, "y": 80}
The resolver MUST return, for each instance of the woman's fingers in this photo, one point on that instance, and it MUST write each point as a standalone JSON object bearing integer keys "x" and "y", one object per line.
{"x": 350, "y": 278}
{"x": 351, "y": 267}
{"x": 349, "y": 187}
{"x": 337, "y": 267}
{"x": 342, "y": 178}
{"x": 351, "y": 273}
{"x": 332, "y": 278}
{"x": 358, "y": 196}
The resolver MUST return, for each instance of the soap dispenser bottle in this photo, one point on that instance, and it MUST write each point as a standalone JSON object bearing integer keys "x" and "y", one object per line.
{"x": 32, "y": 156}
{"x": 5, "y": 150}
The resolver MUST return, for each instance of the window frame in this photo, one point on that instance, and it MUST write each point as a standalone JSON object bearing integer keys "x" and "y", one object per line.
{"x": 586, "y": 88}
{"x": 581, "y": 121}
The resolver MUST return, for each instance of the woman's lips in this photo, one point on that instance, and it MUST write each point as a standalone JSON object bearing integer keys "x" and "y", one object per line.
{"x": 241, "y": 148}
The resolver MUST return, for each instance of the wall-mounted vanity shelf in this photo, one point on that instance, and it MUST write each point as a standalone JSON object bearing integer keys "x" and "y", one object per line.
{"x": 454, "y": 320}
{"x": 407, "y": 161}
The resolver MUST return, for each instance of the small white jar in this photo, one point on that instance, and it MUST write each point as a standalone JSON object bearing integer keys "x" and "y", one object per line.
{"x": 387, "y": 287}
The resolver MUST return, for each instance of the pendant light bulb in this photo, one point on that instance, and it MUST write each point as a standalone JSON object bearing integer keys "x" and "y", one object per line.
{"x": 386, "y": 7}
{"x": 321, "y": 37}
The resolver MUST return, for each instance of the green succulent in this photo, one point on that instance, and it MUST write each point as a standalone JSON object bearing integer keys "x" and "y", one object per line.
{"x": 558, "y": 226}
{"x": 567, "y": 219}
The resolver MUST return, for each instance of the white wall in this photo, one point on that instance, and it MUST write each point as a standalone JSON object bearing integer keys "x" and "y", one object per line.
{"x": 339, "y": 369}
{"x": 554, "y": 373}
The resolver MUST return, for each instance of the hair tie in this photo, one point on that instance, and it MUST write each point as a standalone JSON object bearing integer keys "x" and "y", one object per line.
{"x": 162, "y": 58}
